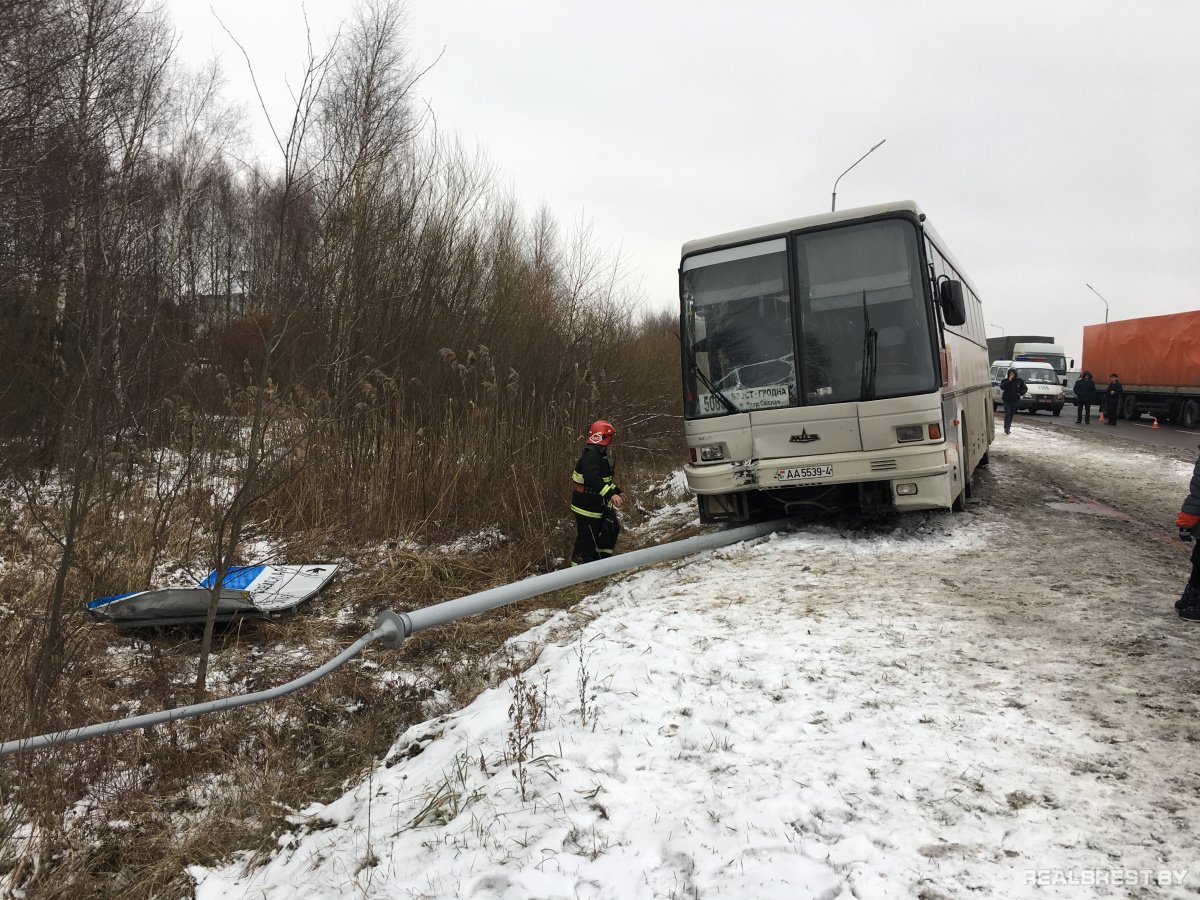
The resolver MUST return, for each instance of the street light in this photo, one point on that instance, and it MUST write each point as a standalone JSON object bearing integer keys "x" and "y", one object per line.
{"x": 1003, "y": 333}
{"x": 1101, "y": 296}
{"x": 833, "y": 207}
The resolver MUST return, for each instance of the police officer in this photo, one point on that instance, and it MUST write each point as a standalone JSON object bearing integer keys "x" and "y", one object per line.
{"x": 1012, "y": 389}
{"x": 1085, "y": 396}
{"x": 594, "y": 496}
{"x": 1112, "y": 400}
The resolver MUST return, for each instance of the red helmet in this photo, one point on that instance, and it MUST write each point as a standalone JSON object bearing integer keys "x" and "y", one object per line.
{"x": 601, "y": 433}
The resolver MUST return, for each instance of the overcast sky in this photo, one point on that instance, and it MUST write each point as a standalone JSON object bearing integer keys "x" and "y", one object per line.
{"x": 1053, "y": 145}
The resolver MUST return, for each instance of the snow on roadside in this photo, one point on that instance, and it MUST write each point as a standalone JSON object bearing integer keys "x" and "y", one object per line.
{"x": 1143, "y": 463}
{"x": 820, "y": 714}
{"x": 756, "y": 732}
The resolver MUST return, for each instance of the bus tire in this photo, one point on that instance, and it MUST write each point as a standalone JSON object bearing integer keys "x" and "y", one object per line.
{"x": 1189, "y": 414}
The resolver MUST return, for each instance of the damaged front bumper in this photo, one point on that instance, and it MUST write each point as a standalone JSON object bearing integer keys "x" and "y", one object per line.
{"x": 921, "y": 474}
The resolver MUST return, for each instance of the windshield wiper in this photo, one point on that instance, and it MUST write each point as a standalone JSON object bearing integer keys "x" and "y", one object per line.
{"x": 870, "y": 346}
{"x": 696, "y": 372}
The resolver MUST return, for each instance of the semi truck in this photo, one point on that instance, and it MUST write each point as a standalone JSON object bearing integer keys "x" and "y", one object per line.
{"x": 1032, "y": 348}
{"x": 1003, "y": 347}
{"x": 1156, "y": 358}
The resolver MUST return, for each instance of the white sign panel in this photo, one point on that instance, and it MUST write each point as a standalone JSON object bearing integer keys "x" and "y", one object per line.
{"x": 746, "y": 399}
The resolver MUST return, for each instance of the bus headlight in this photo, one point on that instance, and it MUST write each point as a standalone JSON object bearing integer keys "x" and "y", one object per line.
{"x": 906, "y": 490}
{"x": 906, "y": 433}
{"x": 712, "y": 453}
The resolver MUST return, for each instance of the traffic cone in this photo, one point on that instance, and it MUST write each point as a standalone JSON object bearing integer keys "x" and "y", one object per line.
{"x": 1155, "y": 425}
{"x": 1102, "y": 416}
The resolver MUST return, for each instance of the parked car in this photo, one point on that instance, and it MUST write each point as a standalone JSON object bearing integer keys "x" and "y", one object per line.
{"x": 1045, "y": 391}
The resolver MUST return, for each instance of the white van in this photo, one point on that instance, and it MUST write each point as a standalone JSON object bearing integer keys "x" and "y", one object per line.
{"x": 1040, "y": 378}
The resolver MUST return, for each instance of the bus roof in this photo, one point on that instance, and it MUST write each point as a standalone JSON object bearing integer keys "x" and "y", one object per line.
{"x": 779, "y": 229}
{"x": 776, "y": 229}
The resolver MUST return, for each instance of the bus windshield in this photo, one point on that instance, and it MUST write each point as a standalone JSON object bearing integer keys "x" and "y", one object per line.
{"x": 857, "y": 306}
{"x": 738, "y": 325}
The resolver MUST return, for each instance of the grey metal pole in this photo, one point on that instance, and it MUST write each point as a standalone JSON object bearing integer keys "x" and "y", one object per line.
{"x": 383, "y": 631}
{"x": 441, "y": 613}
{"x": 833, "y": 205}
{"x": 1101, "y": 296}
{"x": 391, "y": 628}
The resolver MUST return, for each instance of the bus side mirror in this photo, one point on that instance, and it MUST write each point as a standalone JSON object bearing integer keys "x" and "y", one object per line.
{"x": 954, "y": 306}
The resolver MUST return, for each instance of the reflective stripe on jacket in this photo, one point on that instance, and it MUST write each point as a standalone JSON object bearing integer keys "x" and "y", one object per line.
{"x": 592, "y": 483}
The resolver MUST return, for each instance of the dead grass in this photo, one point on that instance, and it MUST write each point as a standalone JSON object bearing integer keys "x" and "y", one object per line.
{"x": 125, "y": 815}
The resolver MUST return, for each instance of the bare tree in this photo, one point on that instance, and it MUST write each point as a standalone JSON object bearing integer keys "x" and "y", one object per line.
{"x": 281, "y": 308}
{"x": 110, "y": 96}
{"x": 202, "y": 131}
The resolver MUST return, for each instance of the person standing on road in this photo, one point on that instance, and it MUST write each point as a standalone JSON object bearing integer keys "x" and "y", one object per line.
{"x": 1085, "y": 396}
{"x": 1112, "y": 400}
{"x": 1188, "y": 521}
{"x": 594, "y": 497}
{"x": 1012, "y": 389}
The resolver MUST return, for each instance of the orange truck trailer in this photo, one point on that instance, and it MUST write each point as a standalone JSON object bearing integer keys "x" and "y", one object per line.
{"x": 1157, "y": 359}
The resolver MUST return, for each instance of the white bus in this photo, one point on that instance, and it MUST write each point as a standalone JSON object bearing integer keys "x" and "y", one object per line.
{"x": 831, "y": 362}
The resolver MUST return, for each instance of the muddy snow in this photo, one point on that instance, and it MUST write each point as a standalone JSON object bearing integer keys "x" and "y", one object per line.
{"x": 999, "y": 703}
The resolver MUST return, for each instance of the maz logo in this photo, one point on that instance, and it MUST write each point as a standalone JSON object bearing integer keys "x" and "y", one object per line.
{"x": 804, "y": 437}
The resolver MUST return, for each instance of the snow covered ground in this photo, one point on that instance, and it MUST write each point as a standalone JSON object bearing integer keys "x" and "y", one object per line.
{"x": 1000, "y": 703}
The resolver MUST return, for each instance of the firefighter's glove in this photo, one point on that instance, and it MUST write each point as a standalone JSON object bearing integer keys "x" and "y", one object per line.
{"x": 1186, "y": 522}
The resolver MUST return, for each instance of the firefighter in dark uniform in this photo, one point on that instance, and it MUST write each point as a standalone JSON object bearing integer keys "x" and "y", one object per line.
{"x": 594, "y": 496}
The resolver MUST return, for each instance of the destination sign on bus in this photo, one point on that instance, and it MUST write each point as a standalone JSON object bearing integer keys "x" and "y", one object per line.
{"x": 745, "y": 399}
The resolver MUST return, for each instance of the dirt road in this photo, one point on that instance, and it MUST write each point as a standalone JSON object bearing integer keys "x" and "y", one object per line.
{"x": 1141, "y": 430}
{"x": 1074, "y": 598}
